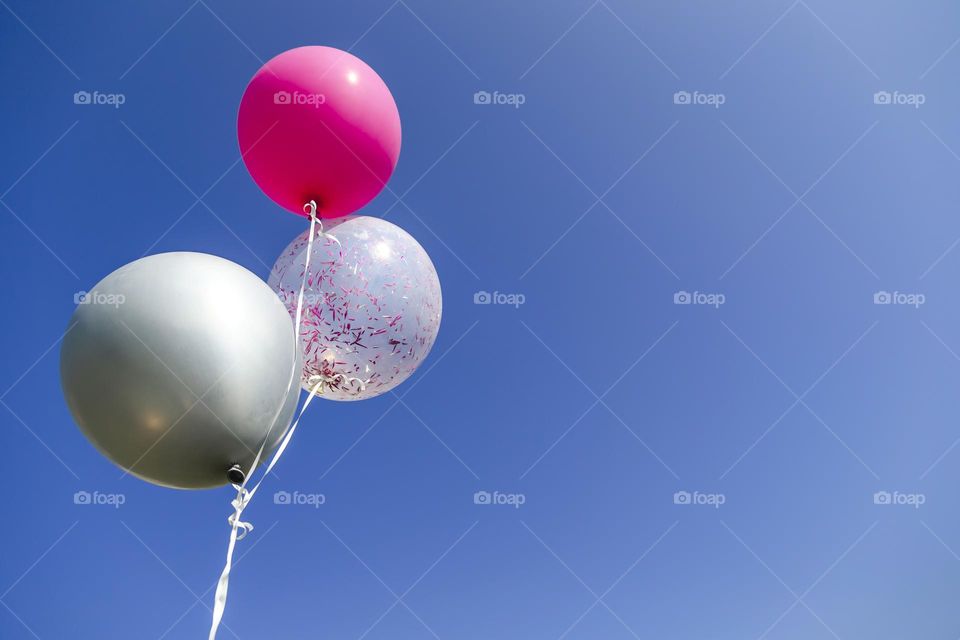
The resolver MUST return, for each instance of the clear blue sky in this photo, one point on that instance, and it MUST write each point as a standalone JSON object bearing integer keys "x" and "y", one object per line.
{"x": 598, "y": 199}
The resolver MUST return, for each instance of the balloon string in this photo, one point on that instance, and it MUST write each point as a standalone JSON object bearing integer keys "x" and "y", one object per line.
{"x": 244, "y": 496}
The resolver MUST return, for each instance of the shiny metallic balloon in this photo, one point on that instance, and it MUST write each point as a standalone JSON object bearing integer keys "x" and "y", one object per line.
{"x": 178, "y": 366}
{"x": 371, "y": 309}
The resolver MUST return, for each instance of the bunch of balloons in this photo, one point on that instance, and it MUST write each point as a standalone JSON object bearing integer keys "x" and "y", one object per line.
{"x": 192, "y": 377}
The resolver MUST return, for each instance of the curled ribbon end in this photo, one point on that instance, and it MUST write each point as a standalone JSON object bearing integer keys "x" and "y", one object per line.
{"x": 239, "y": 504}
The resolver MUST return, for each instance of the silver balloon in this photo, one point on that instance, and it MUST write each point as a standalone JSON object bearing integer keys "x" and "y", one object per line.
{"x": 178, "y": 366}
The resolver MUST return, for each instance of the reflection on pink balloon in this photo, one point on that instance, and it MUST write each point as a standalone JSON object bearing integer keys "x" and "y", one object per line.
{"x": 317, "y": 123}
{"x": 371, "y": 308}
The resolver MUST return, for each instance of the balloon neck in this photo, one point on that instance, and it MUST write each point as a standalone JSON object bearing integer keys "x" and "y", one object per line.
{"x": 236, "y": 475}
{"x": 310, "y": 208}
{"x": 338, "y": 381}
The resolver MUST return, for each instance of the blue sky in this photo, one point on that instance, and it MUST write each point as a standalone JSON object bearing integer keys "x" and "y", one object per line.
{"x": 775, "y": 459}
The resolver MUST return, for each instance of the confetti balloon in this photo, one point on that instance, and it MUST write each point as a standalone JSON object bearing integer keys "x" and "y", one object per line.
{"x": 371, "y": 308}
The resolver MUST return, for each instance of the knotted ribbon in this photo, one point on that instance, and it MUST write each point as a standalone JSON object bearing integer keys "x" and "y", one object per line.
{"x": 238, "y": 528}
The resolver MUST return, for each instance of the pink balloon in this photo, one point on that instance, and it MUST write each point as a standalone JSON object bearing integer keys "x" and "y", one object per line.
{"x": 317, "y": 123}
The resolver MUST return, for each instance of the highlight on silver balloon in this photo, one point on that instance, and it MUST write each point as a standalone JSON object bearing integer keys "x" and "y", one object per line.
{"x": 179, "y": 367}
{"x": 371, "y": 307}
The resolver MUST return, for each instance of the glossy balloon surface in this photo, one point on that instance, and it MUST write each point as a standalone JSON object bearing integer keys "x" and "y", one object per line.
{"x": 317, "y": 123}
{"x": 176, "y": 367}
{"x": 372, "y": 305}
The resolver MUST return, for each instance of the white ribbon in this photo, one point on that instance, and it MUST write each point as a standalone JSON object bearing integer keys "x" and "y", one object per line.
{"x": 244, "y": 496}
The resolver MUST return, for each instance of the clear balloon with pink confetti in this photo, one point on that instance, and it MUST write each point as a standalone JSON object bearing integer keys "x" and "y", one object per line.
{"x": 371, "y": 306}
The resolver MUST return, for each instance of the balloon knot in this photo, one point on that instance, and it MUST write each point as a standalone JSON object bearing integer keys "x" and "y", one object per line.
{"x": 321, "y": 382}
{"x": 311, "y": 210}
